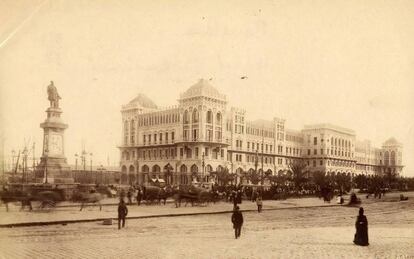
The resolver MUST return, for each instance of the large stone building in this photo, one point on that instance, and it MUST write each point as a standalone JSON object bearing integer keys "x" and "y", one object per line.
{"x": 201, "y": 135}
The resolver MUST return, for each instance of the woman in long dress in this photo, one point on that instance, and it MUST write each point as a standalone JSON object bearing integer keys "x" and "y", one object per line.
{"x": 361, "y": 225}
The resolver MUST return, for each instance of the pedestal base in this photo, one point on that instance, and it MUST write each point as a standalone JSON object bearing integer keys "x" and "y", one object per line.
{"x": 54, "y": 170}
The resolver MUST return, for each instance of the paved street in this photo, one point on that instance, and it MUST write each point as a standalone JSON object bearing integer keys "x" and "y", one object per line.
{"x": 325, "y": 232}
{"x": 93, "y": 212}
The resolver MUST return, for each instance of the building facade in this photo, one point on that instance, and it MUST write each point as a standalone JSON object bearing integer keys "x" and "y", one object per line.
{"x": 201, "y": 135}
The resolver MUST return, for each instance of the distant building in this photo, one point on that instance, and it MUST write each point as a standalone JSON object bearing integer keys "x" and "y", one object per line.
{"x": 200, "y": 136}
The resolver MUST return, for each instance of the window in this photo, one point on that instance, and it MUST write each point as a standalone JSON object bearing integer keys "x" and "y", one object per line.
{"x": 181, "y": 152}
{"x": 189, "y": 152}
{"x": 248, "y": 145}
{"x": 195, "y": 116}
{"x": 172, "y": 136}
{"x": 195, "y": 135}
{"x": 321, "y": 162}
{"x": 321, "y": 151}
{"x": 315, "y": 140}
{"x": 160, "y": 137}
{"x": 196, "y": 152}
{"x": 314, "y": 163}
{"x": 166, "y": 137}
{"x": 149, "y": 139}
{"x": 209, "y": 117}
{"x": 315, "y": 152}
{"x": 309, "y": 152}
{"x": 145, "y": 139}
{"x": 186, "y": 117}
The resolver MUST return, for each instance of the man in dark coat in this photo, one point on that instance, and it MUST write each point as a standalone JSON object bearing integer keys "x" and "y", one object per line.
{"x": 139, "y": 196}
{"x": 237, "y": 220}
{"x": 122, "y": 213}
{"x": 361, "y": 225}
{"x": 239, "y": 196}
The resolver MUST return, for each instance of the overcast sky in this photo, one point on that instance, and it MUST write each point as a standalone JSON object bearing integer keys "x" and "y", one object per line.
{"x": 350, "y": 63}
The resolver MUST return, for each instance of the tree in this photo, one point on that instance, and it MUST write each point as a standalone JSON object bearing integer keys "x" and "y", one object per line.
{"x": 320, "y": 179}
{"x": 343, "y": 182}
{"x": 298, "y": 173}
{"x": 390, "y": 177}
{"x": 254, "y": 177}
{"x": 224, "y": 176}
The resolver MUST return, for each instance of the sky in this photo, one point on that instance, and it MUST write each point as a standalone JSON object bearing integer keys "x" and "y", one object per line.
{"x": 349, "y": 63}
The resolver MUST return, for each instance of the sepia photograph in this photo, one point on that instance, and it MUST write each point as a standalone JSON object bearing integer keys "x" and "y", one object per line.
{"x": 206, "y": 129}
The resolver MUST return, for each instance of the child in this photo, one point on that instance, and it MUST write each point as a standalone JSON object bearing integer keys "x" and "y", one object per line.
{"x": 259, "y": 204}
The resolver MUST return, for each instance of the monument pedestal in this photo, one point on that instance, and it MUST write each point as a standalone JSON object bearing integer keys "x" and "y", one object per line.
{"x": 53, "y": 167}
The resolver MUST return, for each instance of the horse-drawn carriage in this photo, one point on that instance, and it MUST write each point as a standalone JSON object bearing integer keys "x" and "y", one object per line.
{"x": 48, "y": 195}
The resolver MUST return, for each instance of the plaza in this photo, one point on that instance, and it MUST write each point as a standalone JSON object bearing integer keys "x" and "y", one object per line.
{"x": 319, "y": 232}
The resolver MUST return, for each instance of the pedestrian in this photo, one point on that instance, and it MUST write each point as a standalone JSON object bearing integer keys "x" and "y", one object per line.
{"x": 259, "y": 203}
{"x": 361, "y": 225}
{"x": 239, "y": 196}
{"x": 129, "y": 196}
{"x": 139, "y": 196}
{"x": 237, "y": 220}
{"x": 122, "y": 213}
{"x": 234, "y": 196}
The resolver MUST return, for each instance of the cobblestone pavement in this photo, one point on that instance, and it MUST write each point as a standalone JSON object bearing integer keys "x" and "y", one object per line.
{"x": 93, "y": 212}
{"x": 325, "y": 232}
{"x": 72, "y": 213}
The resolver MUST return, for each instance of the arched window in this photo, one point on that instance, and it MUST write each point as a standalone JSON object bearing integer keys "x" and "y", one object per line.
{"x": 218, "y": 118}
{"x": 156, "y": 169}
{"x": 186, "y": 117}
{"x": 194, "y": 169}
{"x": 386, "y": 158}
{"x": 392, "y": 161}
{"x": 183, "y": 169}
{"x": 195, "y": 116}
{"x": 145, "y": 169}
{"x": 209, "y": 117}
{"x": 209, "y": 168}
{"x": 131, "y": 169}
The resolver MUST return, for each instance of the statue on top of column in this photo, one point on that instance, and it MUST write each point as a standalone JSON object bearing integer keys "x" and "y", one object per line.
{"x": 52, "y": 95}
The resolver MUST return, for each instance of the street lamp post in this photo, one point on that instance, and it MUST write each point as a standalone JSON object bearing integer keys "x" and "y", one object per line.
{"x": 46, "y": 157}
{"x": 91, "y": 166}
{"x": 13, "y": 153}
{"x": 256, "y": 161}
{"x": 76, "y": 161}
{"x": 203, "y": 164}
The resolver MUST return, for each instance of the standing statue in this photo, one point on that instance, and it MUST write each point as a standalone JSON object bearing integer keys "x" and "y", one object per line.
{"x": 52, "y": 95}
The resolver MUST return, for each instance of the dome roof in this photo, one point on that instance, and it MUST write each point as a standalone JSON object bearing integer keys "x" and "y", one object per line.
{"x": 143, "y": 101}
{"x": 391, "y": 142}
{"x": 203, "y": 88}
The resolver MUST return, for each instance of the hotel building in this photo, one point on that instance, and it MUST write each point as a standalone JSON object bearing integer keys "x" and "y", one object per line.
{"x": 200, "y": 135}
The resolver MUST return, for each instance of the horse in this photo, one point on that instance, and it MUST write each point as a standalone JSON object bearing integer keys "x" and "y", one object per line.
{"x": 192, "y": 194}
{"x": 326, "y": 194}
{"x": 7, "y": 196}
{"x": 88, "y": 197}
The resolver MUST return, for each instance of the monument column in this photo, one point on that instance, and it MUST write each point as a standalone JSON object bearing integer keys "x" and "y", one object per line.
{"x": 53, "y": 167}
